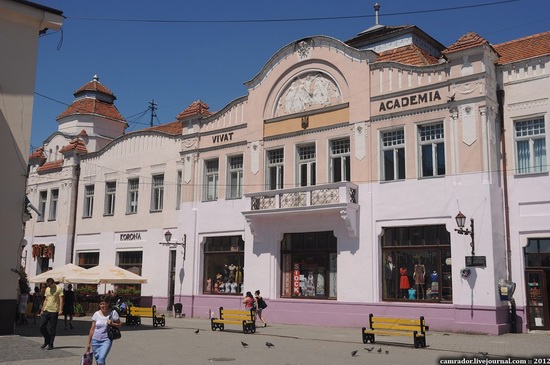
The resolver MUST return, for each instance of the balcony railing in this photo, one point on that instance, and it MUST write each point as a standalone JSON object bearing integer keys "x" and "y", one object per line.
{"x": 307, "y": 196}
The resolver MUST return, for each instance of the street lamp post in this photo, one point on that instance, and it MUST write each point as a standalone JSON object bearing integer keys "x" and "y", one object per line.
{"x": 460, "y": 222}
{"x": 183, "y": 244}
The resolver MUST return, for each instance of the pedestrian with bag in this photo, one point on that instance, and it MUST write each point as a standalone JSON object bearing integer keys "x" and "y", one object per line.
{"x": 260, "y": 306}
{"x": 52, "y": 308}
{"x": 103, "y": 321}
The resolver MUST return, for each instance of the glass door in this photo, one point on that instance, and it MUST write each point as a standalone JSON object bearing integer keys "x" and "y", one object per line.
{"x": 537, "y": 299}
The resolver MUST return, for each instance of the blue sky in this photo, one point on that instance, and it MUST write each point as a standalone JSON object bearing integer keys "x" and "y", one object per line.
{"x": 210, "y": 55}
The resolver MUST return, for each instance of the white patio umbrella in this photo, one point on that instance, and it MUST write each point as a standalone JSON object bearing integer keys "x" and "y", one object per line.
{"x": 106, "y": 275}
{"x": 58, "y": 274}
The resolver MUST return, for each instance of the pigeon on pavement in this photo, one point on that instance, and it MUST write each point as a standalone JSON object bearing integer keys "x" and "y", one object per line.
{"x": 354, "y": 353}
{"x": 269, "y": 344}
{"x": 369, "y": 349}
{"x": 244, "y": 344}
{"x": 197, "y": 331}
{"x": 379, "y": 350}
{"x": 483, "y": 353}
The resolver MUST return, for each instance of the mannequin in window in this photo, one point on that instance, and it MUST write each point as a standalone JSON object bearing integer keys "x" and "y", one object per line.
{"x": 434, "y": 277}
{"x": 320, "y": 287}
{"x": 404, "y": 283}
{"x": 389, "y": 277}
{"x": 418, "y": 276}
{"x": 232, "y": 269}
{"x": 310, "y": 285}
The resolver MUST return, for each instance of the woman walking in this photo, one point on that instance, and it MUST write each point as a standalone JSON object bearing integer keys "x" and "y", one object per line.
{"x": 249, "y": 301}
{"x": 98, "y": 339}
{"x": 260, "y": 305}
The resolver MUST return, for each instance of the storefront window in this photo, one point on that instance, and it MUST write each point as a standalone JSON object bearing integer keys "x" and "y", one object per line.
{"x": 133, "y": 262}
{"x": 416, "y": 264}
{"x": 88, "y": 260}
{"x": 309, "y": 265}
{"x": 223, "y": 265}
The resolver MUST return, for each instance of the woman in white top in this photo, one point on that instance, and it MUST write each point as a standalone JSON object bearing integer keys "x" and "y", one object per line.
{"x": 98, "y": 339}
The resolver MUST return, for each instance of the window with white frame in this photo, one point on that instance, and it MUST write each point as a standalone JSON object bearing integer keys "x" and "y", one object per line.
{"x": 42, "y": 198}
{"x": 275, "y": 169}
{"x": 234, "y": 177}
{"x": 178, "y": 189}
{"x": 530, "y": 138}
{"x": 54, "y": 197}
{"x": 133, "y": 194}
{"x": 88, "y": 201}
{"x": 432, "y": 149}
{"x": 306, "y": 165}
{"x": 340, "y": 160}
{"x": 211, "y": 177}
{"x": 110, "y": 195}
{"x": 157, "y": 193}
{"x": 393, "y": 155}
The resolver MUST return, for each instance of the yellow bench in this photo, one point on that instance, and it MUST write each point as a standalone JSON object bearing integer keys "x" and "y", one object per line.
{"x": 134, "y": 315}
{"x": 396, "y": 327}
{"x": 235, "y": 316}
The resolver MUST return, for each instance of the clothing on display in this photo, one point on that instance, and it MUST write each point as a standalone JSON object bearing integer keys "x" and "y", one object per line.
{"x": 419, "y": 273}
{"x": 404, "y": 279}
{"x": 310, "y": 285}
{"x": 320, "y": 288}
{"x": 412, "y": 293}
{"x": 389, "y": 276}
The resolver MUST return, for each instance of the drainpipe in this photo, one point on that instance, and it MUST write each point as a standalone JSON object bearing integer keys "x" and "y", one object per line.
{"x": 500, "y": 99}
{"x": 73, "y": 218}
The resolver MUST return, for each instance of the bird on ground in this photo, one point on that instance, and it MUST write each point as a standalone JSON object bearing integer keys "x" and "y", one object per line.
{"x": 354, "y": 353}
{"x": 387, "y": 352}
{"x": 379, "y": 350}
{"x": 483, "y": 353}
{"x": 244, "y": 344}
{"x": 197, "y": 331}
{"x": 369, "y": 349}
{"x": 269, "y": 344}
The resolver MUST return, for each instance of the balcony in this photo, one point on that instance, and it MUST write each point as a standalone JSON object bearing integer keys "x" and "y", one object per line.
{"x": 341, "y": 197}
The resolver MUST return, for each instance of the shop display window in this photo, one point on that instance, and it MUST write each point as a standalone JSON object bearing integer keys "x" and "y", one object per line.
{"x": 223, "y": 265}
{"x": 416, "y": 264}
{"x": 309, "y": 265}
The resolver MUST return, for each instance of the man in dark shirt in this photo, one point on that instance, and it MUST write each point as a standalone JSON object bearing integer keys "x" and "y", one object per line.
{"x": 68, "y": 305}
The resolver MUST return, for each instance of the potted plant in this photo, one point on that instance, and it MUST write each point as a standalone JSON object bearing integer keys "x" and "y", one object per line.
{"x": 79, "y": 310}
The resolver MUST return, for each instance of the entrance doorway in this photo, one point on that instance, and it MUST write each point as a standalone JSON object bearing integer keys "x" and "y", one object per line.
{"x": 537, "y": 283}
{"x": 172, "y": 280}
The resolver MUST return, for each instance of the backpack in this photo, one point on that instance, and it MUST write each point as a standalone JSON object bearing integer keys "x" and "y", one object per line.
{"x": 261, "y": 303}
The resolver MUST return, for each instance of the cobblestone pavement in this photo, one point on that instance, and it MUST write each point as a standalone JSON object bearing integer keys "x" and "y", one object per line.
{"x": 177, "y": 343}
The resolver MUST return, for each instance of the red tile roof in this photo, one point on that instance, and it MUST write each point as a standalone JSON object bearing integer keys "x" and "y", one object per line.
{"x": 468, "y": 40}
{"x": 38, "y": 153}
{"x": 51, "y": 166}
{"x": 174, "y": 128}
{"x": 408, "y": 55}
{"x": 75, "y": 145}
{"x": 196, "y": 108}
{"x": 523, "y": 48}
{"x": 93, "y": 107}
{"x": 95, "y": 85}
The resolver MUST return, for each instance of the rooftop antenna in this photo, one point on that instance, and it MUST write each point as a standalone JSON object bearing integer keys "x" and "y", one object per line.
{"x": 376, "y": 13}
{"x": 152, "y": 107}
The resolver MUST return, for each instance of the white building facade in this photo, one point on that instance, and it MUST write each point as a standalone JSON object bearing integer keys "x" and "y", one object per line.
{"x": 333, "y": 187}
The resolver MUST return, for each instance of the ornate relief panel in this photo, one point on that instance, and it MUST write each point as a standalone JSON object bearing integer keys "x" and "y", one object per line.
{"x": 308, "y": 91}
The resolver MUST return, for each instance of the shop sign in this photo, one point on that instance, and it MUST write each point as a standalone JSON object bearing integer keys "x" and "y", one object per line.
{"x": 136, "y": 236}
{"x": 406, "y": 101}
{"x": 42, "y": 250}
{"x": 476, "y": 261}
{"x": 296, "y": 280}
{"x": 225, "y": 137}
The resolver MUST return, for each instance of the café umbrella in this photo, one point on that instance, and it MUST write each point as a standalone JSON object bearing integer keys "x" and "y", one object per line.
{"x": 106, "y": 275}
{"x": 58, "y": 274}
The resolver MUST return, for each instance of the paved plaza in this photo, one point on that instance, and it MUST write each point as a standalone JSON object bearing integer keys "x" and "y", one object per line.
{"x": 177, "y": 343}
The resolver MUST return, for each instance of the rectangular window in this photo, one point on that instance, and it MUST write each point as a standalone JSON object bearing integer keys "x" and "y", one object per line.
{"x": 340, "y": 160}
{"x": 223, "y": 265}
{"x": 416, "y": 264}
{"x": 306, "y": 165}
{"x": 178, "y": 189}
{"x": 211, "y": 176}
{"x": 132, "y": 201}
{"x": 235, "y": 177}
{"x": 530, "y": 138}
{"x": 88, "y": 201}
{"x": 110, "y": 195}
{"x": 275, "y": 169}
{"x": 42, "y": 198}
{"x": 393, "y": 155}
{"x": 133, "y": 262}
{"x": 157, "y": 193}
{"x": 54, "y": 197}
{"x": 88, "y": 260}
{"x": 309, "y": 265}
{"x": 432, "y": 150}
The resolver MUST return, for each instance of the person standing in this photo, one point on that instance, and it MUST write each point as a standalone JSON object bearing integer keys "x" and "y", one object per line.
{"x": 37, "y": 299}
{"x": 260, "y": 305}
{"x": 68, "y": 305}
{"x": 98, "y": 339}
{"x": 23, "y": 301}
{"x": 51, "y": 310}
